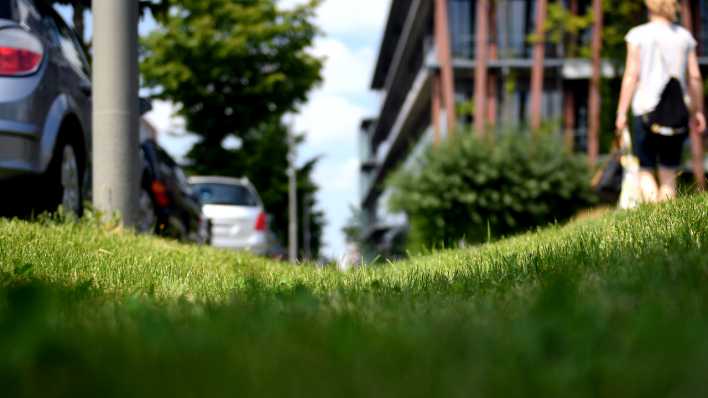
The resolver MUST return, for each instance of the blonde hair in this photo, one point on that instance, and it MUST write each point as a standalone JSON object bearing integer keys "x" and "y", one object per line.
{"x": 665, "y": 8}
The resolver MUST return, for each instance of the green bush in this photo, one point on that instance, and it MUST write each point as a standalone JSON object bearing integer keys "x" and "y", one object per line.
{"x": 473, "y": 190}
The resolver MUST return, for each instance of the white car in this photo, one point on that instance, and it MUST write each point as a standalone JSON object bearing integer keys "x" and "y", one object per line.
{"x": 235, "y": 211}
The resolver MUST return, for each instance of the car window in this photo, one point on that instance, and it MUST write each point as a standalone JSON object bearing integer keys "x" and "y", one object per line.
{"x": 69, "y": 45}
{"x": 27, "y": 9}
{"x": 6, "y": 10}
{"x": 225, "y": 194}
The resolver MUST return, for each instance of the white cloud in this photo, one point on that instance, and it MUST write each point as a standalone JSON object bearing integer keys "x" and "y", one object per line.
{"x": 353, "y": 19}
{"x": 329, "y": 120}
{"x": 347, "y": 70}
{"x": 340, "y": 176}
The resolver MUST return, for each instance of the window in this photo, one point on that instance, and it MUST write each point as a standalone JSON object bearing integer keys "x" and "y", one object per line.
{"x": 461, "y": 15}
{"x": 6, "y": 10}
{"x": 225, "y": 194}
{"x": 515, "y": 21}
{"x": 70, "y": 47}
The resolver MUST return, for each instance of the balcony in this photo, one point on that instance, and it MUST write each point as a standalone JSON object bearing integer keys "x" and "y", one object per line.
{"x": 409, "y": 123}
{"x": 405, "y": 65}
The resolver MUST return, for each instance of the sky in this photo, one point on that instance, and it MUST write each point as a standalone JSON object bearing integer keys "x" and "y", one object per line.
{"x": 330, "y": 120}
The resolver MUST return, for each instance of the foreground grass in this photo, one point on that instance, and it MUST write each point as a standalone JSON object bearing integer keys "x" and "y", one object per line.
{"x": 610, "y": 307}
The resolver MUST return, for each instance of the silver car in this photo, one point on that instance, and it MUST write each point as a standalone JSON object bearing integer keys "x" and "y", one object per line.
{"x": 235, "y": 211}
{"x": 45, "y": 108}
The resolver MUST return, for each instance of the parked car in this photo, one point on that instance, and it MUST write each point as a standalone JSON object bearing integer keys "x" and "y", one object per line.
{"x": 168, "y": 206}
{"x": 235, "y": 211}
{"x": 45, "y": 109}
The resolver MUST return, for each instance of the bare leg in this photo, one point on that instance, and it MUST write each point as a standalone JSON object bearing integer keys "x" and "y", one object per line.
{"x": 667, "y": 184}
{"x": 647, "y": 183}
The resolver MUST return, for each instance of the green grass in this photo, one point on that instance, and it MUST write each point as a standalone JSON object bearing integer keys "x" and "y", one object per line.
{"x": 609, "y": 307}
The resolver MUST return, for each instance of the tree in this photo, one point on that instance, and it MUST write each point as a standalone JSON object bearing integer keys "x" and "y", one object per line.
{"x": 472, "y": 190}
{"x": 234, "y": 68}
{"x": 229, "y": 65}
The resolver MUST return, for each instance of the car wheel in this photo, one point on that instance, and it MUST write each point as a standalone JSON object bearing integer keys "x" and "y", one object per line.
{"x": 147, "y": 217}
{"x": 64, "y": 179}
{"x": 70, "y": 180}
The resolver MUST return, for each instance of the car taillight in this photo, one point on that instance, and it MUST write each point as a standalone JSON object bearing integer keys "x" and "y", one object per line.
{"x": 20, "y": 53}
{"x": 159, "y": 191}
{"x": 261, "y": 222}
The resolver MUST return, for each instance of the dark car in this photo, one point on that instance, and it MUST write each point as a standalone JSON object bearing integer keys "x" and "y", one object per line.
{"x": 168, "y": 207}
{"x": 45, "y": 109}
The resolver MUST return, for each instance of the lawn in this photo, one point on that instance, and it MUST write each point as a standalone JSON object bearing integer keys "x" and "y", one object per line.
{"x": 611, "y": 307}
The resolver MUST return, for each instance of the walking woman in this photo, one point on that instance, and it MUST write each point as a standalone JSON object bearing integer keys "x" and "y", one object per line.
{"x": 662, "y": 82}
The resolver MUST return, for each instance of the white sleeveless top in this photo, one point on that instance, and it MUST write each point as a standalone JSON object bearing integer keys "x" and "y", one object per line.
{"x": 664, "y": 50}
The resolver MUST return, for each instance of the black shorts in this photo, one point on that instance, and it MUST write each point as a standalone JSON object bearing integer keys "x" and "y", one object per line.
{"x": 656, "y": 150}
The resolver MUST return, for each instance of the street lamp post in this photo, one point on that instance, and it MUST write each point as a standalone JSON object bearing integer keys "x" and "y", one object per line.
{"x": 115, "y": 108}
{"x": 292, "y": 201}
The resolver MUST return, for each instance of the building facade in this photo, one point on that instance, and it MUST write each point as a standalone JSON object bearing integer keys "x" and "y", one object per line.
{"x": 438, "y": 58}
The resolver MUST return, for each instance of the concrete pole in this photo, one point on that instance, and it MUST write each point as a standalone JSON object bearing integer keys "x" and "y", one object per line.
{"x": 537, "y": 69}
{"x": 442, "y": 43}
{"x": 481, "y": 72}
{"x": 697, "y": 151}
{"x": 115, "y": 108}
{"x": 594, "y": 101}
{"x": 292, "y": 203}
{"x": 306, "y": 235}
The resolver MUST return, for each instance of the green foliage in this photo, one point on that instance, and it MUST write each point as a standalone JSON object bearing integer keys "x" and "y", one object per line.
{"x": 465, "y": 108}
{"x": 263, "y": 158}
{"x": 563, "y": 27}
{"x": 581, "y": 311}
{"x": 467, "y": 188}
{"x": 619, "y": 18}
{"x": 231, "y": 65}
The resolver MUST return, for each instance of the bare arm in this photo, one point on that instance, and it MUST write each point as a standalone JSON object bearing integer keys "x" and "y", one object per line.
{"x": 695, "y": 91}
{"x": 629, "y": 85}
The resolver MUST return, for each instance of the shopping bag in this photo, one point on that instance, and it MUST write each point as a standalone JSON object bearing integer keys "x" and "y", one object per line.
{"x": 631, "y": 192}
